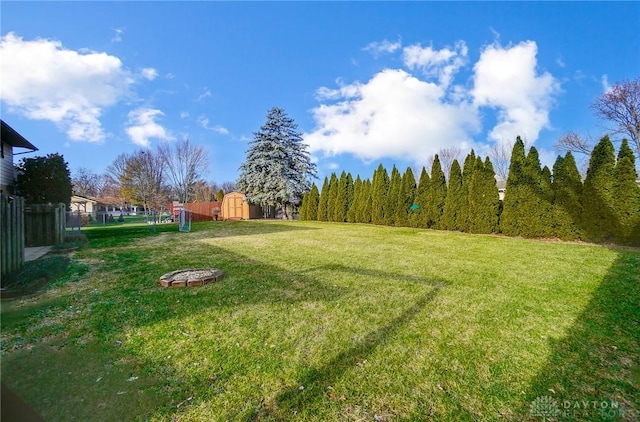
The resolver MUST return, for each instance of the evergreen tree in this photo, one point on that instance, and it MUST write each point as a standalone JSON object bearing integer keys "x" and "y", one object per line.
{"x": 454, "y": 203}
{"x": 465, "y": 213}
{"x": 510, "y": 219}
{"x": 598, "y": 213}
{"x": 405, "y": 198}
{"x": 379, "y": 188}
{"x": 323, "y": 202}
{"x": 42, "y": 180}
{"x": 332, "y": 202}
{"x": 483, "y": 198}
{"x": 626, "y": 195}
{"x": 278, "y": 167}
{"x": 533, "y": 206}
{"x": 364, "y": 216}
{"x": 391, "y": 200}
{"x": 567, "y": 191}
{"x": 220, "y": 195}
{"x": 546, "y": 203}
{"x": 356, "y": 203}
{"x": 437, "y": 194}
{"x": 311, "y": 203}
{"x": 345, "y": 193}
{"x": 419, "y": 217}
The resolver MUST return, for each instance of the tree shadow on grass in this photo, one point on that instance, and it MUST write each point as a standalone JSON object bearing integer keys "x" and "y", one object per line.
{"x": 593, "y": 373}
{"x": 310, "y": 392}
{"x": 134, "y": 300}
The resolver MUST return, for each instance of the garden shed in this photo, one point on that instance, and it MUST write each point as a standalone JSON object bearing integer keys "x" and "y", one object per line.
{"x": 236, "y": 207}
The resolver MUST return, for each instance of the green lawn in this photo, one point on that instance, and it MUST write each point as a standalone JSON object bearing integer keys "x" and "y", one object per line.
{"x": 322, "y": 322}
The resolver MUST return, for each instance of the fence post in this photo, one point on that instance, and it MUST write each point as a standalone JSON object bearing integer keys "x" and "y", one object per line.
{"x": 12, "y": 233}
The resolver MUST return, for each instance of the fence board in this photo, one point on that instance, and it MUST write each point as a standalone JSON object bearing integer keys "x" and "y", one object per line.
{"x": 44, "y": 224}
{"x": 12, "y": 235}
{"x": 203, "y": 211}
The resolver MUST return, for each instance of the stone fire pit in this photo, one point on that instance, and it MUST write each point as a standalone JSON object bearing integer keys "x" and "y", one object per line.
{"x": 191, "y": 277}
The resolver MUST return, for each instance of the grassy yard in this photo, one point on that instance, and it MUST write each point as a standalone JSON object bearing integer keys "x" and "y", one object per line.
{"x": 322, "y": 322}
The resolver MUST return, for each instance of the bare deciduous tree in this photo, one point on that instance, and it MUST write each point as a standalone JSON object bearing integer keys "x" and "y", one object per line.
{"x": 500, "y": 156}
{"x": 143, "y": 179}
{"x": 620, "y": 106}
{"x": 86, "y": 183}
{"x": 447, "y": 155}
{"x": 228, "y": 186}
{"x": 185, "y": 164}
{"x": 573, "y": 142}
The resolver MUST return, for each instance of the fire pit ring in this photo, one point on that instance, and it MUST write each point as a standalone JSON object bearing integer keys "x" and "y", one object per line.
{"x": 191, "y": 277}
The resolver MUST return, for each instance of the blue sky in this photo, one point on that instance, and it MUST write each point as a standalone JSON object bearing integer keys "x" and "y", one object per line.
{"x": 367, "y": 82}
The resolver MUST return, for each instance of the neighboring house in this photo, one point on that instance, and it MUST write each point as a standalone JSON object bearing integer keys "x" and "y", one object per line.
{"x": 10, "y": 141}
{"x": 84, "y": 204}
{"x": 502, "y": 186}
{"x": 114, "y": 206}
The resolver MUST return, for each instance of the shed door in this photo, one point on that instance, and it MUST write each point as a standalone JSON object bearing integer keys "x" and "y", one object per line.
{"x": 235, "y": 207}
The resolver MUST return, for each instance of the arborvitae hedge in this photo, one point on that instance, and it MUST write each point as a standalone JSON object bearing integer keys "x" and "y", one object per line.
{"x": 379, "y": 188}
{"x": 437, "y": 194}
{"x": 333, "y": 197}
{"x": 598, "y": 215}
{"x": 405, "y": 198}
{"x": 463, "y": 216}
{"x": 537, "y": 203}
{"x": 311, "y": 204}
{"x": 364, "y": 213}
{"x": 483, "y": 198}
{"x": 454, "y": 203}
{"x": 510, "y": 220}
{"x": 323, "y": 203}
{"x": 356, "y": 202}
{"x": 567, "y": 193}
{"x": 391, "y": 200}
{"x": 418, "y": 217}
{"x": 626, "y": 196}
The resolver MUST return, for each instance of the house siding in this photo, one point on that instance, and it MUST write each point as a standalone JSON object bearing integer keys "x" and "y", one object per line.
{"x": 6, "y": 167}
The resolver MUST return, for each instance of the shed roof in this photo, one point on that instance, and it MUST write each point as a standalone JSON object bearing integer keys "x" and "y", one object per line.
{"x": 13, "y": 138}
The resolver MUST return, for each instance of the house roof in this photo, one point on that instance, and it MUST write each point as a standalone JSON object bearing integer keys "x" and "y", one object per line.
{"x": 13, "y": 138}
{"x": 79, "y": 198}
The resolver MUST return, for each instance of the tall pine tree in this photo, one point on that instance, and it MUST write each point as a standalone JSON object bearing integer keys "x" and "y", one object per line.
{"x": 311, "y": 204}
{"x": 278, "y": 167}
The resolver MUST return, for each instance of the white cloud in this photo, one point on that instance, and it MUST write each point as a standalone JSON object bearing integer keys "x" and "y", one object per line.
{"x": 507, "y": 79}
{"x": 118, "y": 35}
{"x": 206, "y": 93}
{"x": 606, "y": 87}
{"x": 332, "y": 165}
{"x": 442, "y": 64}
{"x": 392, "y": 115}
{"x": 143, "y": 126}
{"x": 43, "y": 80}
{"x": 381, "y": 47}
{"x": 184, "y": 114}
{"x": 149, "y": 73}
{"x": 401, "y": 115}
{"x": 204, "y": 122}
{"x": 169, "y": 75}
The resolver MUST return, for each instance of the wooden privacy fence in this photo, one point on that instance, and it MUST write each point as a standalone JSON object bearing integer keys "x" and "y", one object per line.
{"x": 12, "y": 235}
{"x": 204, "y": 211}
{"x": 44, "y": 224}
